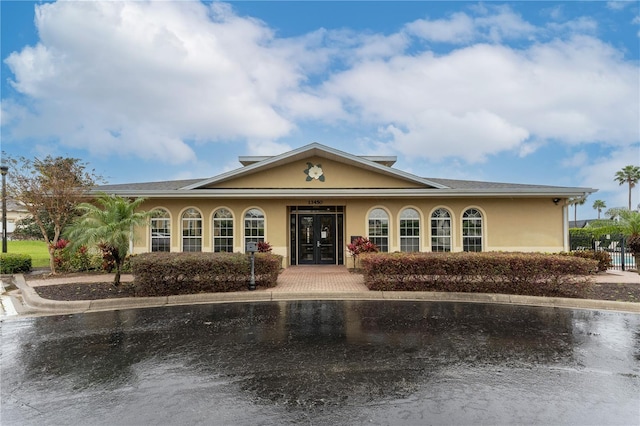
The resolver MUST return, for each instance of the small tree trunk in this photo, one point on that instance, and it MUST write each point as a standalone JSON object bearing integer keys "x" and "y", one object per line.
{"x": 52, "y": 259}
{"x": 116, "y": 279}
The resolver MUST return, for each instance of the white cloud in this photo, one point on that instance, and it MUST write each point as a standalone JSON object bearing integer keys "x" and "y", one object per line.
{"x": 153, "y": 79}
{"x": 619, "y": 4}
{"x": 575, "y": 91}
{"x": 600, "y": 173}
{"x": 459, "y": 28}
{"x": 494, "y": 24}
{"x": 158, "y": 73}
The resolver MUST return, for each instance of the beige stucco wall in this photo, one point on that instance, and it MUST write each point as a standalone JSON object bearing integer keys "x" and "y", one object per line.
{"x": 510, "y": 224}
{"x": 337, "y": 175}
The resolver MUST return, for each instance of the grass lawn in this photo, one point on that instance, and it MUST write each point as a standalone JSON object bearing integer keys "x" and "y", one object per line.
{"x": 36, "y": 249}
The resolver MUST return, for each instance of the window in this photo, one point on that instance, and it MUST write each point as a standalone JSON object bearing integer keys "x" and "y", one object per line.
{"x": 191, "y": 230}
{"x": 472, "y": 230}
{"x": 379, "y": 229}
{"x": 161, "y": 231}
{"x": 440, "y": 230}
{"x": 223, "y": 231}
{"x": 253, "y": 226}
{"x": 409, "y": 230}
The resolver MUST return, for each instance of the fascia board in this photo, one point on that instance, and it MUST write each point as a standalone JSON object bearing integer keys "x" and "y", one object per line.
{"x": 359, "y": 193}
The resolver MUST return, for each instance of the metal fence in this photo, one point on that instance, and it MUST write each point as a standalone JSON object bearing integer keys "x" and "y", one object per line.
{"x": 621, "y": 257}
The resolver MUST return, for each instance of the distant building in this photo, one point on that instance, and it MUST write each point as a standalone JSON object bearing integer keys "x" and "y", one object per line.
{"x": 15, "y": 212}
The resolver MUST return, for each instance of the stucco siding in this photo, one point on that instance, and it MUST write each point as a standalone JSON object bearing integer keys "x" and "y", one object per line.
{"x": 336, "y": 175}
{"x": 508, "y": 224}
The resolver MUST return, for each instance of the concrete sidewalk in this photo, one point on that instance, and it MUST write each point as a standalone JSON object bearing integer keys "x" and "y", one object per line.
{"x": 294, "y": 283}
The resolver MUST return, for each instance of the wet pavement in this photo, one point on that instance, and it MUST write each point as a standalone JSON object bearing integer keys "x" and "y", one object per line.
{"x": 323, "y": 362}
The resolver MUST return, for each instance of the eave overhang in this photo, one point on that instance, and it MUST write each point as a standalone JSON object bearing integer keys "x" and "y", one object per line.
{"x": 553, "y": 192}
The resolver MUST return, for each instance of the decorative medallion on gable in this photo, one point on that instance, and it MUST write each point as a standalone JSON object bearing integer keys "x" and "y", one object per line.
{"x": 314, "y": 172}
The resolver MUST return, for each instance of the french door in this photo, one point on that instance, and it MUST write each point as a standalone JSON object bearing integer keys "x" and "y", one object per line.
{"x": 316, "y": 239}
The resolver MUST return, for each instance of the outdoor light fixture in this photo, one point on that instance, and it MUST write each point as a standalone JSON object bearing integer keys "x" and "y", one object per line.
{"x": 4, "y": 169}
{"x": 252, "y": 247}
{"x": 556, "y": 201}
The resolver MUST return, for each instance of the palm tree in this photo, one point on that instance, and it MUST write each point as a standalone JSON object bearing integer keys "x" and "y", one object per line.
{"x": 575, "y": 202}
{"x": 630, "y": 222}
{"x": 630, "y": 175}
{"x": 109, "y": 224}
{"x": 599, "y": 205}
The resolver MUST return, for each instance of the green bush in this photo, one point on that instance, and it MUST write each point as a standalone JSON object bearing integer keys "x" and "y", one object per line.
{"x": 12, "y": 263}
{"x": 493, "y": 272}
{"x": 164, "y": 274}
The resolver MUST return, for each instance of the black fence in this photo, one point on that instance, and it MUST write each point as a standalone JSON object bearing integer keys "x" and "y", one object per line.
{"x": 621, "y": 257}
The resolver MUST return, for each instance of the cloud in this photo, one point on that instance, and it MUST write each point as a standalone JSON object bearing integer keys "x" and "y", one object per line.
{"x": 154, "y": 79}
{"x": 574, "y": 91}
{"x": 147, "y": 77}
{"x": 494, "y": 24}
{"x": 599, "y": 172}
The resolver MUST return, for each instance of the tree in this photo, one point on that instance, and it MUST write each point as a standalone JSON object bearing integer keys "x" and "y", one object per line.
{"x": 108, "y": 224}
{"x": 575, "y": 202}
{"x": 614, "y": 212}
{"x": 629, "y": 175}
{"x": 630, "y": 222}
{"x": 599, "y": 205}
{"x": 50, "y": 190}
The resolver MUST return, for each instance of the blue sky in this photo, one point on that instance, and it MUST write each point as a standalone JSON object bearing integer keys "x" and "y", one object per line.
{"x": 522, "y": 92}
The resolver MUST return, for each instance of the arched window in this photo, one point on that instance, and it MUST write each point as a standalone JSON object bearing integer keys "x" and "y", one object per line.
{"x": 191, "y": 230}
{"x": 223, "y": 231}
{"x": 472, "y": 230}
{"x": 409, "y": 230}
{"x": 441, "y": 230}
{"x": 161, "y": 231}
{"x": 379, "y": 229}
{"x": 253, "y": 226}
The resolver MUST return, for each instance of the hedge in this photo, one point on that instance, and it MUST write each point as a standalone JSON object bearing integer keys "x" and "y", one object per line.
{"x": 488, "y": 272}
{"x": 13, "y": 263}
{"x": 602, "y": 257}
{"x": 165, "y": 274}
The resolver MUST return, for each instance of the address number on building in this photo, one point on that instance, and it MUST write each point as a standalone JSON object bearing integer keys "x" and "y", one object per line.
{"x": 315, "y": 202}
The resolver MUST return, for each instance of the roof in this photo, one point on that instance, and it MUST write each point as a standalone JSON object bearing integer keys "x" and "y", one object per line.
{"x": 423, "y": 187}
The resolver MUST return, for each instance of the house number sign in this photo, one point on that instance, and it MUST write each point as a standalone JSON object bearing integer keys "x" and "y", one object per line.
{"x": 314, "y": 202}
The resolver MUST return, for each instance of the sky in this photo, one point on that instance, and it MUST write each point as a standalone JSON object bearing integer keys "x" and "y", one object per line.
{"x": 521, "y": 92}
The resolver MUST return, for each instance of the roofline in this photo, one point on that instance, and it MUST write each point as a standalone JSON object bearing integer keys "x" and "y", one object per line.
{"x": 385, "y": 160}
{"x": 358, "y": 193}
{"x": 313, "y": 149}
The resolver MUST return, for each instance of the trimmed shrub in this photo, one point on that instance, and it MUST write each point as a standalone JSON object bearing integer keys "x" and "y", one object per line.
{"x": 603, "y": 258}
{"x": 13, "y": 263}
{"x": 164, "y": 274}
{"x": 493, "y": 272}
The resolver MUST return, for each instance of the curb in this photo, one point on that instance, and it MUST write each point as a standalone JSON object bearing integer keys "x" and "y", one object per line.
{"x": 52, "y": 307}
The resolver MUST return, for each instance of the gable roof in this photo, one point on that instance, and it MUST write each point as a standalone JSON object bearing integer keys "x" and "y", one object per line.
{"x": 314, "y": 149}
{"x": 422, "y": 187}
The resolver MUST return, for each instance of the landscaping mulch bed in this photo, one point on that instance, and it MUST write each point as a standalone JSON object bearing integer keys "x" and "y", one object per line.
{"x": 622, "y": 292}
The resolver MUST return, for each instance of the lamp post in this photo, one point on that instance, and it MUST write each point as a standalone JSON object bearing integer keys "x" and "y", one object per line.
{"x": 4, "y": 169}
{"x": 252, "y": 247}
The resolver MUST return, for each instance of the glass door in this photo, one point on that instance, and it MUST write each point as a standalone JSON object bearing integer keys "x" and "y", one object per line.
{"x": 316, "y": 239}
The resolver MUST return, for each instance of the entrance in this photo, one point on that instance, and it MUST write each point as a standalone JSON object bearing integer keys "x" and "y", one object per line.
{"x": 316, "y": 236}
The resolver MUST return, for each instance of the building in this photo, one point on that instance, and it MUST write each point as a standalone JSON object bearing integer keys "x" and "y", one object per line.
{"x": 15, "y": 212}
{"x": 311, "y": 202}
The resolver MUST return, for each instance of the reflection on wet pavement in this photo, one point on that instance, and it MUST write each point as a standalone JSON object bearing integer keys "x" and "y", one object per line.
{"x": 331, "y": 362}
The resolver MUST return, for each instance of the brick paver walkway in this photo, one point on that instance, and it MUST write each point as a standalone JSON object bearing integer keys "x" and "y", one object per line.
{"x": 325, "y": 278}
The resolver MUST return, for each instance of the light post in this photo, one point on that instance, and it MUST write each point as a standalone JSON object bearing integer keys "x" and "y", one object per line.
{"x": 4, "y": 169}
{"x": 252, "y": 248}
